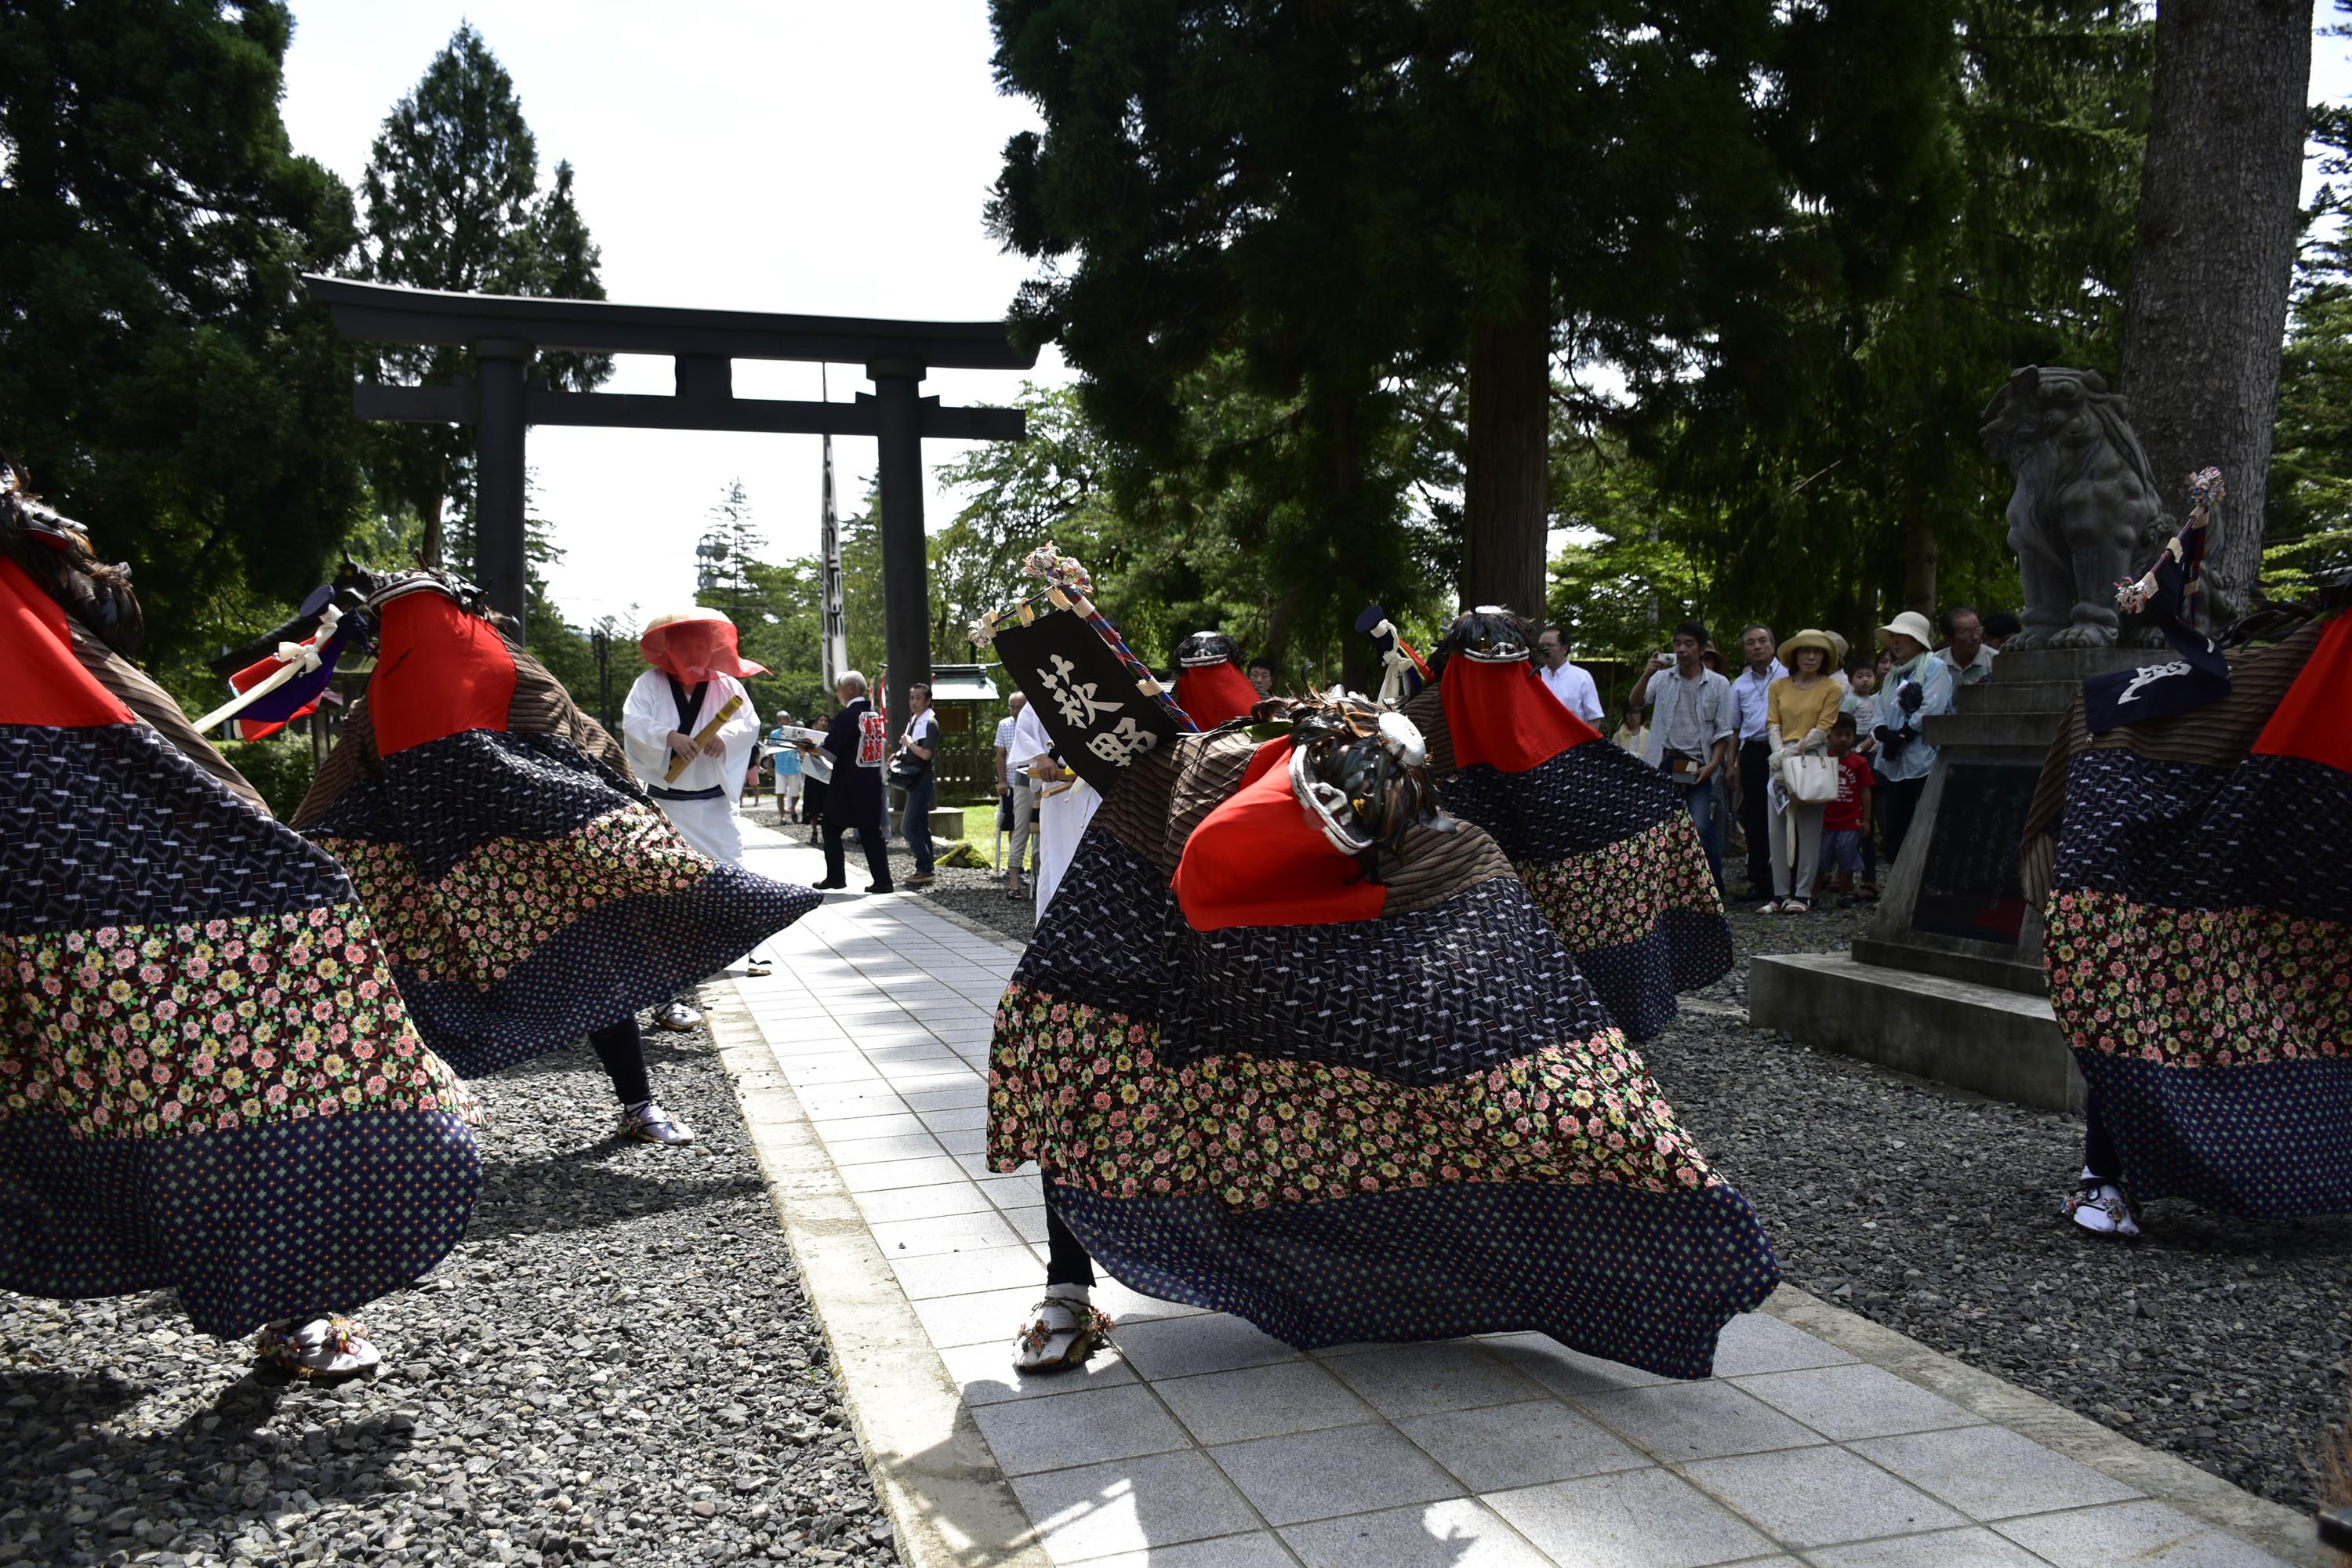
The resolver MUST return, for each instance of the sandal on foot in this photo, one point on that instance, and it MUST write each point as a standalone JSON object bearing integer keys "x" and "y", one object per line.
{"x": 1061, "y": 1331}
{"x": 2101, "y": 1208}
{"x": 331, "y": 1349}
{"x": 650, "y": 1123}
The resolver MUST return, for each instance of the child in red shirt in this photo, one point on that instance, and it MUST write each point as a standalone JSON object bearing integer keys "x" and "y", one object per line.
{"x": 1846, "y": 820}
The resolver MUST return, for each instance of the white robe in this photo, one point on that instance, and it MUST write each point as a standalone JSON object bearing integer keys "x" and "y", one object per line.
{"x": 1062, "y": 816}
{"x": 647, "y": 721}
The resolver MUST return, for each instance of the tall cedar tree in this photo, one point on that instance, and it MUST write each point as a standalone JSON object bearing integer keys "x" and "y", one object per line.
{"x": 1838, "y": 478}
{"x": 453, "y": 201}
{"x": 1349, "y": 191}
{"x": 159, "y": 371}
{"x": 2308, "y": 521}
{"x": 2214, "y": 258}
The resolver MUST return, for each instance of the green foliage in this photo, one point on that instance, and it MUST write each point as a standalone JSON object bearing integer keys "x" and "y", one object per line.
{"x": 453, "y": 201}
{"x": 1830, "y": 474}
{"x": 161, "y": 373}
{"x": 280, "y": 767}
{"x": 2308, "y": 521}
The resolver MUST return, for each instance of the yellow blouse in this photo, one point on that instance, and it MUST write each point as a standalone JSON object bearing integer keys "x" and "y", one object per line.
{"x": 1799, "y": 709}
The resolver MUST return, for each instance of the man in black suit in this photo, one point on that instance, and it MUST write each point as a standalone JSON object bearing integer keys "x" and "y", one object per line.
{"x": 858, "y": 741}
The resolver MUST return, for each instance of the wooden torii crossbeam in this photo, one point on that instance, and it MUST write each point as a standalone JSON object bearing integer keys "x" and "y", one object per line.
{"x": 505, "y": 330}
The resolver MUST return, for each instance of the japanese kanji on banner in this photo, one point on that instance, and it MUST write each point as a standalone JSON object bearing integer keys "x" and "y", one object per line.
{"x": 1085, "y": 699}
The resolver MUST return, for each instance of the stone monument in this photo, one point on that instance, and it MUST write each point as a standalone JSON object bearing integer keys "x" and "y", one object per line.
{"x": 1948, "y": 982}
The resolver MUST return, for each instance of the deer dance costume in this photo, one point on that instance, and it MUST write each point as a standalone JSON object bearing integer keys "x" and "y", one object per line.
{"x": 208, "y": 1080}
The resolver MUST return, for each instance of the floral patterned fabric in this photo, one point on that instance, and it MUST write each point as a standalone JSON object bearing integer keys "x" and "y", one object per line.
{"x": 144, "y": 1032}
{"x": 1085, "y": 1093}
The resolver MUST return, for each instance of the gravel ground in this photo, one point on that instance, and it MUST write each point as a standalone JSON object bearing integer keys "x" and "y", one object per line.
{"x": 616, "y": 1366}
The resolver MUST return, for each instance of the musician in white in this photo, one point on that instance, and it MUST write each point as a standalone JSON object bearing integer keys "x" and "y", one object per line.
{"x": 677, "y": 713}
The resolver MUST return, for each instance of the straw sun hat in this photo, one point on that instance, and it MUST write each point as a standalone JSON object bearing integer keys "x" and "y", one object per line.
{"x": 1813, "y": 638}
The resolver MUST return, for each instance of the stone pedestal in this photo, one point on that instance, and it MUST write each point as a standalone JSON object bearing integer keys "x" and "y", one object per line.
{"x": 1948, "y": 982}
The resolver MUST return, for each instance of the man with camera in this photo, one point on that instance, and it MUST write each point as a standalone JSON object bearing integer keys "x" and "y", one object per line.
{"x": 1692, "y": 721}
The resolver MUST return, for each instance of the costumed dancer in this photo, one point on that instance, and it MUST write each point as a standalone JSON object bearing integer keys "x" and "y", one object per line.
{"x": 2199, "y": 915}
{"x": 1211, "y": 685}
{"x": 1292, "y": 1044}
{"x": 1602, "y": 840}
{"x": 689, "y": 731}
{"x": 856, "y": 743}
{"x": 527, "y": 892}
{"x": 208, "y": 1082}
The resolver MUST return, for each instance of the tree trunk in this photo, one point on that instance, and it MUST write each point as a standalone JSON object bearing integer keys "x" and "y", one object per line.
{"x": 2205, "y": 316}
{"x": 1507, "y": 504}
{"x": 1921, "y": 553}
{"x": 431, "y": 549}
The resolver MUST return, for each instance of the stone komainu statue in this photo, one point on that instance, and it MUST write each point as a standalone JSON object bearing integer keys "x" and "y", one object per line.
{"x": 2086, "y": 513}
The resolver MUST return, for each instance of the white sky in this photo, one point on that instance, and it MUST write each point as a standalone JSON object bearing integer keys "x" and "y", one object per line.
{"x": 827, "y": 159}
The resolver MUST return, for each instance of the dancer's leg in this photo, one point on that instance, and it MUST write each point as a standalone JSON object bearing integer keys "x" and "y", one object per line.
{"x": 622, "y": 1049}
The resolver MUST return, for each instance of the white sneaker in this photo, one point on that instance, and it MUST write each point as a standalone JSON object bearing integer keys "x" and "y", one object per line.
{"x": 650, "y": 1123}
{"x": 2101, "y": 1208}
{"x": 1063, "y": 1330}
{"x": 675, "y": 1015}
{"x": 325, "y": 1350}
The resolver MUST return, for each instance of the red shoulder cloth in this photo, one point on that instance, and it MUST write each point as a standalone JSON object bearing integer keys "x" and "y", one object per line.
{"x": 1214, "y": 694}
{"x": 439, "y": 670}
{"x": 1503, "y": 715}
{"x": 2313, "y": 719}
{"x": 1259, "y": 860}
{"x": 46, "y": 685}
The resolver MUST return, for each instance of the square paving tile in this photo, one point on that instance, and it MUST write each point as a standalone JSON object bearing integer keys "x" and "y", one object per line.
{"x": 1564, "y": 1371}
{"x": 1633, "y": 1519}
{"x": 1065, "y": 1429}
{"x": 2143, "y": 1534}
{"x": 1029, "y": 1225}
{"x": 1204, "y": 1342}
{"x": 1128, "y": 1307}
{"x": 1020, "y": 1190}
{"x": 1758, "y": 1342}
{"x": 886, "y": 1174}
{"x": 962, "y": 1273}
{"x": 1417, "y": 1378}
{"x": 955, "y": 1120}
{"x": 1857, "y": 1401}
{"x": 874, "y": 1151}
{"x": 1256, "y": 1550}
{"x": 1505, "y": 1446}
{"x": 1133, "y": 1505}
{"x": 898, "y": 1124}
{"x": 944, "y": 1233}
{"x": 1321, "y": 1475}
{"x": 1680, "y": 1421}
{"x": 922, "y": 1203}
{"x": 1990, "y": 1472}
{"x": 1260, "y": 1401}
{"x": 986, "y": 1375}
{"x": 1457, "y": 1534}
{"x": 965, "y": 1141}
{"x": 983, "y": 1317}
{"x": 964, "y": 1096}
{"x": 1952, "y": 1549}
{"x": 1819, "y": 1497}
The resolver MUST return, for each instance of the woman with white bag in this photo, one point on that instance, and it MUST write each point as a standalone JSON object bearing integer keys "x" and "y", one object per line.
{"x": 1799, "y": 710}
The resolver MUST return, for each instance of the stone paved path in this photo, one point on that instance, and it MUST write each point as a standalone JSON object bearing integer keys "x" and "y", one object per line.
{"x": 1202, "y": 1443}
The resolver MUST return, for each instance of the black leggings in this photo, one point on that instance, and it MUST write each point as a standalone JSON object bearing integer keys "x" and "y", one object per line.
{"x": 623, "y": 1051}
{"x": 1066, "y": 1262}
{"x": 2099, "y": 1156}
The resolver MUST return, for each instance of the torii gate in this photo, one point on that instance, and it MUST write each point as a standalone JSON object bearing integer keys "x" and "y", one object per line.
{"x": 504, "y": 330}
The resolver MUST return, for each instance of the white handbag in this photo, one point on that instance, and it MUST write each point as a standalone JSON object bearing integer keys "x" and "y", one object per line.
{"x": 1812, "y": 779}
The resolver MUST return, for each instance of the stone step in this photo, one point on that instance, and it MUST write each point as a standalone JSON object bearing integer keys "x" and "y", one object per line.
{"x": 1978, "y": 1038}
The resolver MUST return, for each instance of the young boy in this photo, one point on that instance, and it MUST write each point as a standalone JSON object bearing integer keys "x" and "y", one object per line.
{"x": 1861, "y": 705}
{"x": 1845, "y": 825}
